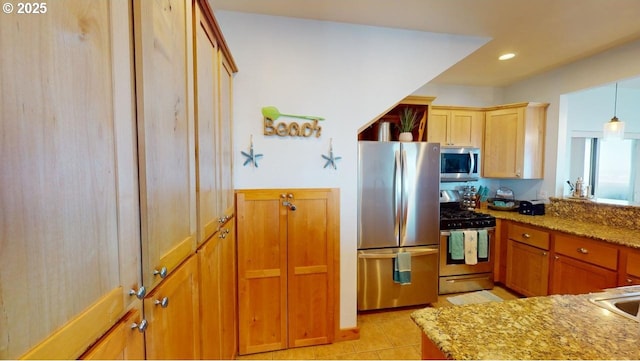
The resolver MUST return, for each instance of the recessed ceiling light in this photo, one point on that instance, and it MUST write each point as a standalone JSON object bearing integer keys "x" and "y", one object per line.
{"x": 506, "y": 56}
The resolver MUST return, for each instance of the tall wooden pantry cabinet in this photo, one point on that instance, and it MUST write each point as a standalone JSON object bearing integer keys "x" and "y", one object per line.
{"x": 101, "y": 206}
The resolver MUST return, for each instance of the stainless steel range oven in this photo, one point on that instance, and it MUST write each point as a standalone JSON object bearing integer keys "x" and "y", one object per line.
{"x": 462, "y": 275}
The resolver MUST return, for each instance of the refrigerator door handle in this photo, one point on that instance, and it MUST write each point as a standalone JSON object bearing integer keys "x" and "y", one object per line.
{"x": 398, "y": 189}
{"x": 424, "y": 252}
{"x": 405, "y": 196}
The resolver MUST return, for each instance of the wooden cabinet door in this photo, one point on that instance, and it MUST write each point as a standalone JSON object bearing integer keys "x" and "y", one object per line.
{"x": 287, "y": 266}
{"x": 437, "y": 126}
{"x": 527, "y": 269}
{"x": 69, "y": 234}
{"x": 216, "y": 266}
{"x": 210, "y": 269}
{"x": 225, "y": 140}
{"x": 206, "y": 126}
{"x": 165, "y": 136}
{"x": 229, "y": 292}
{"x": 460, "y": 128}
{"x": 312, "y": 232}
{"x": 571, "y": 276}
{"x": 262, "y": 269}
{"x": 172, "y": 313}
{"x": 125, "y": 341}
{"x": 466, "y": 128}
{"x": 503, "y": 143}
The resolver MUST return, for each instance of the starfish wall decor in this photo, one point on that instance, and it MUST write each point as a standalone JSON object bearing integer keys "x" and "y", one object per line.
{"x": 251, "y": 156}
{"x": 331, "y": 159}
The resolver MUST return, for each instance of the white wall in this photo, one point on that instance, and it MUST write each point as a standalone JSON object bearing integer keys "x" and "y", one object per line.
{"x": 607, "y": 67}
{"x": 348, "y": 74}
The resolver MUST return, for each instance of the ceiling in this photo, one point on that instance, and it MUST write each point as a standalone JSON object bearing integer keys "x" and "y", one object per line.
{"x": 544, "y": 34}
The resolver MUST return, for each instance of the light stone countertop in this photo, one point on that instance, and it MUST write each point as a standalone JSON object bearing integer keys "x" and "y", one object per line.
{"x": 617, "y": 235}
{"x": 551, "y": 327}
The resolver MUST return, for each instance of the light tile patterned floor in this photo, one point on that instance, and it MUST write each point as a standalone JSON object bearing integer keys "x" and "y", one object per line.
{"x": 384, "y": 335}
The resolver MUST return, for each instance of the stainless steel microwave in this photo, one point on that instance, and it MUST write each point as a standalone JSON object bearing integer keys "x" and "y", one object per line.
{"x": 459, "y": 164}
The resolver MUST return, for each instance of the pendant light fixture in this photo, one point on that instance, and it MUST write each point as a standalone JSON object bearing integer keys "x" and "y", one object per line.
{"x": 614, "y": 129}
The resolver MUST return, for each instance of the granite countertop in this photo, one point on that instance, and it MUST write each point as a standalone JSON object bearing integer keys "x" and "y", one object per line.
{"x": 551, "y": 327}
{"x": 618, "y": 235}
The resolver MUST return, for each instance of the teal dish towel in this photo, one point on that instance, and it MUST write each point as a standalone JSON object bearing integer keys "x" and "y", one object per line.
{"x": 456, "y": 245}
{"x": 483, "y": 244}
{"x": 402, "y": 268}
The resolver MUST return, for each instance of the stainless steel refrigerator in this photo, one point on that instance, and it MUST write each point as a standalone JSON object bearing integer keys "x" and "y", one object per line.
{"x": 399, "y": 211}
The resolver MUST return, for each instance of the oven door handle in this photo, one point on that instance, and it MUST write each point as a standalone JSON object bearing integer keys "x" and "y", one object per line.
{"x": 467, "y": 279}
{"x": 448, "y": 233}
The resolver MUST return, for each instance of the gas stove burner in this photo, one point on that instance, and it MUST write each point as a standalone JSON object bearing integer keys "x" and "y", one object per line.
{"x": 456, "y": 218}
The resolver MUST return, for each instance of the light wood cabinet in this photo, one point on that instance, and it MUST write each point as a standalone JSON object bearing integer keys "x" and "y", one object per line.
{"x": 69, "y": 235}
{"x": 99, "y": 177}
{"x": 287, "y": 268}
{"x": 216, "y": 263}
{"x": 172, "y": 312}
{"x": 514, "y": 141}
{"x": 527, "y": 260}
{"x": 125, "y": 340}
{"x": 452, "y": 126}
{"x": 166, "y": 147}
{"x": 208, "y": 167}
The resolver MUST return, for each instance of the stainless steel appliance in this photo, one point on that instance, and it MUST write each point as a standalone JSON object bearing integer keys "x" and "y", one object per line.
{"x": 459, "y": 164}
{"x": 398, "y": 202}
{"x": 456, "y": 275}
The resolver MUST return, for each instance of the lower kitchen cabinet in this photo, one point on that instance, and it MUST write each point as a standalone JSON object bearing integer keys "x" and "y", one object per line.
{"x": 582, "y": 265}
{"x": 125, "y": 340}
{"x": 172, "y": 314}
{"x": 216, "y": 263}
{"x": 527, "y": 260}
{"x": 629, "y": 268}
{"x": 571, "y": 276}
{"x": 527, "y": 269}
{"x": 288, "y": 260}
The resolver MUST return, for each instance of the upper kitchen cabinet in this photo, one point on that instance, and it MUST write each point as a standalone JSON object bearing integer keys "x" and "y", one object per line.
{"x": 69, "y": 224}
{"x": 419, "y": 104}
{"x": 514, "y": 141}
{"x": 166, "y": 145}
{"x": 456, "y": 126}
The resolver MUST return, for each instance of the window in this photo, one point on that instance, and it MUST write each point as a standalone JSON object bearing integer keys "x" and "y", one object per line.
{"x": 609, "y": 168}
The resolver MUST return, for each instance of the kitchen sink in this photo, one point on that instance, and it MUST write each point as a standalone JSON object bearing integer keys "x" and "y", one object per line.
{"x": 625, "y": 304}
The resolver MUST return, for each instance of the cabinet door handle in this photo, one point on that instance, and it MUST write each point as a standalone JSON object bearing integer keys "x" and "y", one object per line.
{"x": 629, "y": 281}
{"x": 142, "y": 326}
{"x": 526, "y": 235}
{"x": 544, "y": 253}
{"x": 583, "y": 250}
{"x": 556, "y": 258}
{"x": 162, "y": 272}
{"x": 164, "y": 302}
{"x": 140, "y": 293}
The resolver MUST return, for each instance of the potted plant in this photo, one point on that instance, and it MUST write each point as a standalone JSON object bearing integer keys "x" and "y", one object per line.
{"x": 408, "y": 121}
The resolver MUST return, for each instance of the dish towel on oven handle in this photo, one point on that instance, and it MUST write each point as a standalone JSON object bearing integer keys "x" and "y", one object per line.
{"x": 402, "y": 268}
{"x": 483, "y": 244}
{"x": 456, "y": 245}
{"x": 470, "y": 247}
